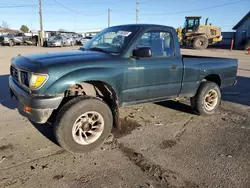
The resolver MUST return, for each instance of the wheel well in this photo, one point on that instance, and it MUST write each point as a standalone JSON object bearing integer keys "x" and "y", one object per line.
{"x": 214, "y": 78}
{"x": 97, "y": 89}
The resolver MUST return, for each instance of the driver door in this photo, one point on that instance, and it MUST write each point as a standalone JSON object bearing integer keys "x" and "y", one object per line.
{"x": 157, "y": 77}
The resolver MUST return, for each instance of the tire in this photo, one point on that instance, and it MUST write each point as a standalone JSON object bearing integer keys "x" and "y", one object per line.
{"x": 66, "y": 122}
{"x": 200, "y": 43}
{"x": 11, "y": 43}
{"x": 199, "y": 102}
{"x": 61, "y": 44}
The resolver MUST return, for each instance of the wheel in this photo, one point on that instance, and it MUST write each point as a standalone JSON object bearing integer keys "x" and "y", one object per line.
{"x": 207, "y": 98}
{"x": 83, "y": 124}
{"x": 61, "y": 45}
{"x": 11, "y": 43}
{"x": 72, "y": 43}
{"x": 200, "y": 43}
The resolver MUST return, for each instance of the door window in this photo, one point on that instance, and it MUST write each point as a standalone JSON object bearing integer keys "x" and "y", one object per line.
{"x": 160, "y": 42}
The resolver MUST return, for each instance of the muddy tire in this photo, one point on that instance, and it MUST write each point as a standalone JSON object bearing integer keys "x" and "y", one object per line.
{"x": 200, "y": 43}
{"x": 207, "y": 98}
{"x": 83, "y": 124}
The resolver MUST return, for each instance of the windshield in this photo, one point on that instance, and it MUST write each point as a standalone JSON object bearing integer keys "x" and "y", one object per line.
{"x": 112, "y": 40}
{"x": 57, "y": 38}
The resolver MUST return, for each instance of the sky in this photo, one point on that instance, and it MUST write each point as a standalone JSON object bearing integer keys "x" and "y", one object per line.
{"x": 82, "y": 15}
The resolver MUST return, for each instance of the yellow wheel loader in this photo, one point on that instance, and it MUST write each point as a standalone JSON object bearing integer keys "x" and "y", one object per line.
{"x": 196, "y": 35}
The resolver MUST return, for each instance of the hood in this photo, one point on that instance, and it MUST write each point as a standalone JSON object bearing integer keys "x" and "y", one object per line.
{"x": 64, "y": 57}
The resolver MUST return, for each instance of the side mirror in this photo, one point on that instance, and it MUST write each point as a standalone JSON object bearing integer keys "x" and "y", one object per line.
{"x": 142, "y": 52}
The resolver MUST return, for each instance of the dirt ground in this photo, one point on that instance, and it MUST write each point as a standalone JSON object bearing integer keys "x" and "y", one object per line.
{"x": 161, "y": 145}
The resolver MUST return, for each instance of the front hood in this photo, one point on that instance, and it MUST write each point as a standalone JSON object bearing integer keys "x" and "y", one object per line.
{"x": 65, "y": 57}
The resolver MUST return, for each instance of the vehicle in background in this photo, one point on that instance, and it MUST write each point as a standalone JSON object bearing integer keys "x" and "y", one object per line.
{"x": 78, "y": 38}
{"x": 85, "y": 40}
{"x": 12, "y": 39}
{"x": 197, "y": 35}
{"x": 60, "y": 41}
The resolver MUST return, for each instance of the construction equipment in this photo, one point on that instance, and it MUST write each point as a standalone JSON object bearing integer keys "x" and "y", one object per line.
{"x": 196, "y": 35}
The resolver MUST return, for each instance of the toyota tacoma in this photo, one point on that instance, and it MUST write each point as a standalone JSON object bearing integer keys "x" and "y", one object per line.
{"x": 81, "y": 91}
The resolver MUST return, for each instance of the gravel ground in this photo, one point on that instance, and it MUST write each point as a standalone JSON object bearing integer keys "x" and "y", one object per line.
{"x": 161, "y": 145}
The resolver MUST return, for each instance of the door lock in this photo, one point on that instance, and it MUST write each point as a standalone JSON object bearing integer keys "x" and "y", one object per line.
{"x": 173, "y": 66}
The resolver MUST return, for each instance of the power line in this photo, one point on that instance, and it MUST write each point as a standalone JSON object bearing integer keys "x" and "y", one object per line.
{"x": 64, "y": 6}
{"x": 211, "y": 7}
{"x": 18, "y": 6}
{"x": 194, "y": 10}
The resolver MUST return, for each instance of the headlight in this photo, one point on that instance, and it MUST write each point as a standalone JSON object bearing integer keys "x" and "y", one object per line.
{"x": 6, "y": 39}
{"x": 37, "y": 80}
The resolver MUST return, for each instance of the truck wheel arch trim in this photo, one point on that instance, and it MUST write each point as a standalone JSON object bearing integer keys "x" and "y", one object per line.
{"x": 93, "y": 88}
{"x": 106, "y": 93}
{"x": 207, "y": 78}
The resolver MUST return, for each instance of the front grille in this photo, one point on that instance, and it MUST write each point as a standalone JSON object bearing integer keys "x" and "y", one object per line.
{"x": 21, "y": 77}
{"x": 24, "y": 78}
{"x": 14, "y": 73}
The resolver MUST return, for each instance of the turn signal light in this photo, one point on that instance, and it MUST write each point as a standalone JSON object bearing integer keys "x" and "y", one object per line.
{"x": 27, "y": 109}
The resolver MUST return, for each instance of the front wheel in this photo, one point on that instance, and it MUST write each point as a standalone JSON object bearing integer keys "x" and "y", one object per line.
{"x": 83, "y": 124}
{"x": 200, "y": 43}
{"x": 207, "y": 98}
{"x": 11, "y": 43}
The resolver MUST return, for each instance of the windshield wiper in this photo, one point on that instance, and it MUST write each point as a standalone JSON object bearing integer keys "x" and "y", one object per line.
{"x": 98, "y": 50}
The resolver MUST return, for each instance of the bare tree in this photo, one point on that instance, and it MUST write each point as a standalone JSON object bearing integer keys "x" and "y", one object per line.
{"x": 5, "y": 25}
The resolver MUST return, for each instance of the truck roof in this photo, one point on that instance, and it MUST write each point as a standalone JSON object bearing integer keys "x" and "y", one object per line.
{"x": 145, "y": 25}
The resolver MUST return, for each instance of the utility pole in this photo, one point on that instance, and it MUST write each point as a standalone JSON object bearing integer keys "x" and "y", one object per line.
{"x": 109, "y": 17}
{"x": 41, "y": 23}
{"x": 137, "y": 11}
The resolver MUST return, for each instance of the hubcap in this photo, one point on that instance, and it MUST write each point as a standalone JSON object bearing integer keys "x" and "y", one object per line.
{"x": 87, "y": 128}
{"x": 211, "y": 100}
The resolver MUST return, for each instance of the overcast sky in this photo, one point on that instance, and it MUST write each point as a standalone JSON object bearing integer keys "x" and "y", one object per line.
{"x": 81, "y": 15}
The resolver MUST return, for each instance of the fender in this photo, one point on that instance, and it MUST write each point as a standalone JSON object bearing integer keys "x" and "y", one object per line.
{"x": 109, "y": 75}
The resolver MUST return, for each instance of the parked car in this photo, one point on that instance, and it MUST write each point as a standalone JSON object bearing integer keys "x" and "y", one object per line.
{"x": 60, "y": 41}
{"x": 121, "y": 66}
{"x": 85, "y": 40}
{"x": 78, "y": 38}
{"x": 18, "y": 38}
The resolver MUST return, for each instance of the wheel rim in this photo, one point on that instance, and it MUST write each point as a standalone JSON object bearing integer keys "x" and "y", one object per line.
{"x": 211, "y": 99}
{"x": 88, "y": 128}
{"x": 200, "y": 43}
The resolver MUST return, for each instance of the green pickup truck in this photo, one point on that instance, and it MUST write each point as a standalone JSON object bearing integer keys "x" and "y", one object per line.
{"x": 81, "y": 91}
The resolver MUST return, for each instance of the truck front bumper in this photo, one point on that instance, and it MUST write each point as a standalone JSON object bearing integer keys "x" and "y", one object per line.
{"x": 35, "y": 108}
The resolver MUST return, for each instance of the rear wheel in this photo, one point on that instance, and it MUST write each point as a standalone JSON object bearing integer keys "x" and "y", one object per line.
{"x": 207, "y": 98}
{"x": 200, "y": 43}
{"x": 83, "y": 124}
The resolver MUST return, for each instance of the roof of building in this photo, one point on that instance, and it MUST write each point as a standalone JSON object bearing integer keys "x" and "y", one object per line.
{"x": 242, "y": 20}
{"x": 8, "y": 30}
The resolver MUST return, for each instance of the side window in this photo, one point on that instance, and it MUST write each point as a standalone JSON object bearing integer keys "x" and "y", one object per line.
{"x": 160, "y": 42}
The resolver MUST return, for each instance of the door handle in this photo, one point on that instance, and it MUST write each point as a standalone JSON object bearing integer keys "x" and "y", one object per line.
{"x": 173, "y": 66}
